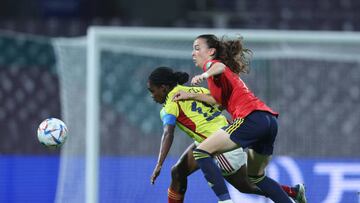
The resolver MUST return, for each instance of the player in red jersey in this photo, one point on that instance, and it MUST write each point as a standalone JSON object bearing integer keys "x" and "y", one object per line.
{"x": 254, "y": 124}
{"x": 198, "y": 120}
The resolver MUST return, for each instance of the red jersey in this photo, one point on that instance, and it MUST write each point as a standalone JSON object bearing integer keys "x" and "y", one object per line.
{"x": 231, "y": 92}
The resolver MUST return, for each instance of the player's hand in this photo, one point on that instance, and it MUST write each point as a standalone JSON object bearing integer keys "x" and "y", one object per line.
{"x": 196, "y": 80}
{"x": 182, "y": 95}
{"x": 155, "y": 174}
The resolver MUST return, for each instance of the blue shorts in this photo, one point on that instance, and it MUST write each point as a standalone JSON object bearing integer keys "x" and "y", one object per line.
{"x": 257, "y": 131}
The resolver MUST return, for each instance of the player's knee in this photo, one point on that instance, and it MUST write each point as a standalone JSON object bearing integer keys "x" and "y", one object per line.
{"x": 176, "y": 173}
{"x": 246, "y": 188}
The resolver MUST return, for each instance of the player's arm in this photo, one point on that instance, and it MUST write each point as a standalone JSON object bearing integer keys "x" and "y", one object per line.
{"x": 216, "y": 69}
{"x": 167, "y": 138}
{"x": 182, "y": 95}
{"x": 166, "y": 142}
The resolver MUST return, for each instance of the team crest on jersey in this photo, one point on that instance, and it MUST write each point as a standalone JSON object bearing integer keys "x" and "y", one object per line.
{"x": 208, "y": 65}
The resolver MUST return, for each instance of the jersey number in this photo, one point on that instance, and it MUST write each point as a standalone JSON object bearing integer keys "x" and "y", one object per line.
{"x": 208, "y": 116}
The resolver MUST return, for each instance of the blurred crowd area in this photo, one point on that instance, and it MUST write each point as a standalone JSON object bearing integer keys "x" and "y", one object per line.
{"x": 29, "y": 86}
{"x": 29, "y": 92}
{"x": 72, "y": 17}
{"x": 315, "y": 97}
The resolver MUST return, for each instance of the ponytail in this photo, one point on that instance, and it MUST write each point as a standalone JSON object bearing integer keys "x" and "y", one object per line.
{"x": 231, "y": 52}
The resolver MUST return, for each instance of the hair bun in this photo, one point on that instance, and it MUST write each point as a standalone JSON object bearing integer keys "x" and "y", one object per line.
{"x": 181, "y": 77}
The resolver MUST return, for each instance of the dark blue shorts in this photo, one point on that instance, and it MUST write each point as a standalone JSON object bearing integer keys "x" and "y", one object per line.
{"x": 257, "y": 131}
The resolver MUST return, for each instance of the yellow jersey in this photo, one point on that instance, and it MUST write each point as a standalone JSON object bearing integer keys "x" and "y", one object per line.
{"x": 197, "y": 119}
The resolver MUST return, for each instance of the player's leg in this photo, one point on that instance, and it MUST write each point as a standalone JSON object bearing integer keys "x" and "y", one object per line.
{"x": 256, "y": 128}
{"x": 259, "y": 156}
{"x": 256, "y": 170}
{"x": 240, "y": 181}
{"x": 185, "y": 166}
{"x": 233, "y": 167}
{"x": 203, "y": 154}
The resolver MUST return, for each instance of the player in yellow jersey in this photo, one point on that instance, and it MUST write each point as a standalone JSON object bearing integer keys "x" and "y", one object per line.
{"x": 199, "y": 120}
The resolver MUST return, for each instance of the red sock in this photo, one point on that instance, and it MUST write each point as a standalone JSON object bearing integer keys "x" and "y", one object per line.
{"x": 289, "y": 190}
{"x": 174, "y": 197}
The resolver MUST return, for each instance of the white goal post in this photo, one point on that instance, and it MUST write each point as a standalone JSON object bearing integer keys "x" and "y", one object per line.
{"x": 264, "y": 44}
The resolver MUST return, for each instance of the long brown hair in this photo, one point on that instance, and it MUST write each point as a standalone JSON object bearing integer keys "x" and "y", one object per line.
{"x": 229, "y": 51}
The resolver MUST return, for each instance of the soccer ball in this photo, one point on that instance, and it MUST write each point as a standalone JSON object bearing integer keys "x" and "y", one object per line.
{"x": 52, "y": 132}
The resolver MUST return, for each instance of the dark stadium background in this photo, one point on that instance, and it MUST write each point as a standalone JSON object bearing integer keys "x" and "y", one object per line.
{"x": 27, "y": 67}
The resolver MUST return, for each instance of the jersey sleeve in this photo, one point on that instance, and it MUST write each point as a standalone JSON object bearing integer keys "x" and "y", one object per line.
{"x": 207, "y": 65}
{"x": 169, "y": 113}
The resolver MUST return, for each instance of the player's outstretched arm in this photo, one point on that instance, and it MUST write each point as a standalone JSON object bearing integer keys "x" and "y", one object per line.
{"x": 166, "y": 142}
{"x": 215, "y": 69}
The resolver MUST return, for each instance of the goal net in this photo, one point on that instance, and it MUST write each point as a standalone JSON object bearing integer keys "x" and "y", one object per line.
{"x": 311, "y": 78}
